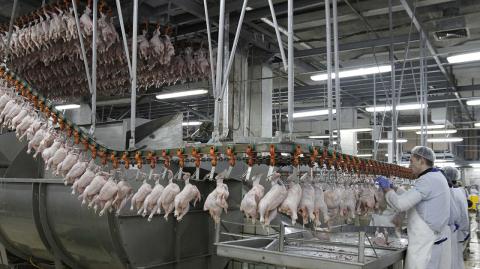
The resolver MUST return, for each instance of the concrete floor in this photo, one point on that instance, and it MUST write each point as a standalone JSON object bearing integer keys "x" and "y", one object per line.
{"x": 473, "y": 260}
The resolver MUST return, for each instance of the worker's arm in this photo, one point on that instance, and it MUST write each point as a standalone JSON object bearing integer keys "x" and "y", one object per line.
{"x": 404, "y": 201}
{"x": 464, "y": 223}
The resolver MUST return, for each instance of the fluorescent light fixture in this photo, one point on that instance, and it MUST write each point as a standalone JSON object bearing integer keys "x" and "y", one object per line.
{"x": 452, "y": 164}
{"x": 465, "y": 57}
{"x": 354, "y": 72}
{"x": 364, "y": 155}
{"x": 387, "y": 141}
{"x": 414, "y": 128}
{"x": 389, "y": 108}
{"x": 312, "y": 113}
{"x": 248, "y": 8}
{"x": 65, "y": 107}
{"x": 440, "y": 161}
{"x": 334, "y": 142}
{"x": 358, "y": 130}
{"x": 477, "y": 124}
{"x": 451, "y": 131}
{"x": 358, "y": 142}
{"x": 476, "y": 165}
{"x": 181, "y": 94}
{"x": 475, "y": 102}
{"x": 322, "y": 136}
{"x": 445, "y": 140}
{"x": 191, "y": 123}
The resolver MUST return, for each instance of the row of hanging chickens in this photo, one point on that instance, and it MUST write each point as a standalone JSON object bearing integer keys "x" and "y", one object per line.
{"x": 46, "y": 51}
{"x": 96, "y": 188}
{"x": 311, "y": 200}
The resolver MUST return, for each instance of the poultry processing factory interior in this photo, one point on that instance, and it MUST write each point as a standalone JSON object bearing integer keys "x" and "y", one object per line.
{"x": 231, "y": 133}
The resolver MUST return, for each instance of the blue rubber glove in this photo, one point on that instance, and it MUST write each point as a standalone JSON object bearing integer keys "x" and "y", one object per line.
{"x": 383, "y": 182}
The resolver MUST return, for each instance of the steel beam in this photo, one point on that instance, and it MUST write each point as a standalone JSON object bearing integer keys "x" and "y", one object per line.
{"x": 433, "y": 52}
{"x": 365, "y": 44}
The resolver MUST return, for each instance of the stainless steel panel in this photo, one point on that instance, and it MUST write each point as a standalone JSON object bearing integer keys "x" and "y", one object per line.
{"x": 17, "y": 223}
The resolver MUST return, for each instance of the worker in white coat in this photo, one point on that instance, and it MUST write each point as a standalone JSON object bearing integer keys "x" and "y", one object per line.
{"x": 428, "y": 209}
{"x": 455, "y": 220}
{"x": 461, "y": 229}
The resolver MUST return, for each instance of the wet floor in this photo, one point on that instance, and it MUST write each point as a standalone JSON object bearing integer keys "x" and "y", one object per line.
{"x": 473, "y": 258}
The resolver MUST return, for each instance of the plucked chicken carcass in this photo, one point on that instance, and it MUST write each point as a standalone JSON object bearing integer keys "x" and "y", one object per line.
{"x": 217, "y": 199}
{"x": 36, "y": 139}
{"x": 267, "y": 207}
{"x": 307, "y": 202}
{"x": 366, "y": 200}
{"x": 320, "y": 205}
{"x": 24, "y": 125}
{"x": 49, "y": 152}
{"x": 332, "y": 198}
{"x": 32, "y": 129}
{"x": 139, "y": 197}
{"x": 104, "y": 199}
{"x": 167, "y": 199}
{"x": 79, "y": 185}
{"x": 94, "y": 187}
{"x": 348, "y": 203}
{"x": 249, "y": 204}
{"x": 291, "y": 203}
{"x": 19, "y": 117}
{"x": 46, "y": 143}
{"x": 64, "y": 167}
{"x": 57, "y": 158}
{"x": 76, "y": 171}
{"x": 182, "y": 200}
{"x": 150, "y": 203}
{"x": 124, "y": 193}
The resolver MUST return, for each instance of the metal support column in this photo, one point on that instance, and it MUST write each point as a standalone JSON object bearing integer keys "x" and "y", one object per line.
{"x": 218, "y": 78}
{"x": 94, "y": 67}
{"x": 392, "y": 84}
{"x": 337, "y": 78}
{"x": 423, "y": 135}
{"x": 82, "y": 46}
{"x": 133, "y": 102}
{"x": 210, "y": 50}
{"x": 329, "y": 72}
{"x": 279, "y": 37}
{"x": 290, "y": 68}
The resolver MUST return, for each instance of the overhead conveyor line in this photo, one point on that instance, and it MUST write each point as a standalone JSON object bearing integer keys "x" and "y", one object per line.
{"x": 297, "y": 153}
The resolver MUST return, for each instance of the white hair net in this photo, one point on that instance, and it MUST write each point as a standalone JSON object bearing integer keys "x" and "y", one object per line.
{"x": 451, "y": 173}
{"x": 424, "y": 152}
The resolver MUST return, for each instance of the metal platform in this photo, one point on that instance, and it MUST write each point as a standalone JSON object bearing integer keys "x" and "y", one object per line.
{"x": 300, "y": 249}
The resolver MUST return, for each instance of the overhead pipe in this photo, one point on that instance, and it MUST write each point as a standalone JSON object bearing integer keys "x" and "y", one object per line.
{"x": 133, "y": 106}
{"x": 337, "y": 78}
{"x": 329, "y": 72}
{"x": 225, "y": 95}
{"x": 82, "y": 46}
{"x": 290, "y": 68}
{"x": 94, "y": 66}
{"x": 279, "y": 37}
{"x": 234, "y": 48}
{"x": 210, "y": 49}
{"x": 124, "y": 36}
{"x": 218, "y": 82}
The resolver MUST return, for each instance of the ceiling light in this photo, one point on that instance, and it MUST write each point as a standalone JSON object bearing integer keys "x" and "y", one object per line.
{"x": 354, "y": 72}
{"x": 358, "y": 130}
{"x": 387, "y": 141}
{"x": 445, "y": 140}
{"x": 477, "y": 124}
{"x": 475, "y": 165}
{"x": 452, "y": 131}
{"x": 475, "y": 102}
{"x": 65, "y": 107}
{"x": 440, "y": 160}
{"x": 411, "y": 128}
{"x": 398, "y": 108}
{"x": 322, "y": 136}
{"x": 465, "y": 57}
{"x": 452, "y": 164}
{"x": 181, "y": 94}
{"x": 312, "y": 113}
{"x": 364, "y": 155}
{"x": 191, "y": 123}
